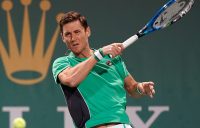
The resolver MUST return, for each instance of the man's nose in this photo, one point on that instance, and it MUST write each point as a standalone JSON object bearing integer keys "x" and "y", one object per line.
{"x": 73, "y": 37}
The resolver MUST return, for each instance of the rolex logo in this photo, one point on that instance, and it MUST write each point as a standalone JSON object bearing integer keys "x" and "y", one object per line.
{"x": 26, "y": 63}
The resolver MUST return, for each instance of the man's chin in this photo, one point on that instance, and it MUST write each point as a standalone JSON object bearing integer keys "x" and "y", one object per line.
{"x": 76, "y": 52}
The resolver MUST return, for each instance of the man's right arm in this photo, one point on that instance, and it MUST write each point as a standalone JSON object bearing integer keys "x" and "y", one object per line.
{"x": 72, "y": 76}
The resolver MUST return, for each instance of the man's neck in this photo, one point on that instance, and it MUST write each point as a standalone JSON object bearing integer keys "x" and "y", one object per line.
{"x": 85, "y": 54}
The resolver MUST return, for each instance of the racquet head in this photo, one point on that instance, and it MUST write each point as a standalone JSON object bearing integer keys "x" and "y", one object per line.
{"x": 170, "y": 13}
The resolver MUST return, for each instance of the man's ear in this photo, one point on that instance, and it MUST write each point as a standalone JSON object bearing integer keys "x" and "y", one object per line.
{"x": 61, "y": 34}
{"x": 88, "y": 31}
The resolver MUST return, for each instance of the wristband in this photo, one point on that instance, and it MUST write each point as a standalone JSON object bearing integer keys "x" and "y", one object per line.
{"x": 101, "y": 52}
{"x": 97, "y": 55}
{"x": 96, "y": 58}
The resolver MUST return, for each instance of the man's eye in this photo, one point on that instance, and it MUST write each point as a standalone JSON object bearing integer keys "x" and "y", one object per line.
{"x": 77, "y": 32}
{"x": 67, "y": 34}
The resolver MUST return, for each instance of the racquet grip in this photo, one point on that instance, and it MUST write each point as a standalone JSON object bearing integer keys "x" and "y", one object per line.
{"x": 130, "y": 41}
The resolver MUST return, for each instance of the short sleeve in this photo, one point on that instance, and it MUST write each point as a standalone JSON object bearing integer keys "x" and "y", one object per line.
{"x": 58, "y": 66}
{"x": 121, "y": 67}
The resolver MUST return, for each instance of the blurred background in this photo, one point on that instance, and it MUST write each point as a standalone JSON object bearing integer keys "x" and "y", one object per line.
{"x": 30, "y": 42}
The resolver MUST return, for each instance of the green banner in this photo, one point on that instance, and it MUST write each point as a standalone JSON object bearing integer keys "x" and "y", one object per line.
{"x": 30, "y": 42}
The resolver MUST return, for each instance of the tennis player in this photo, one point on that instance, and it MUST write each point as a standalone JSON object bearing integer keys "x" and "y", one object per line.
{"x": 94, "y": 84}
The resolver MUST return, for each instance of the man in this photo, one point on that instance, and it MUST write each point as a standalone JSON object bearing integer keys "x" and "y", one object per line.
{"x": 94, "y": 84}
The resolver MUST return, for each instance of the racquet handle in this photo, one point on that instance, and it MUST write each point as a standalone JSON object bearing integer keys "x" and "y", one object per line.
{"x": 130, "y": 41}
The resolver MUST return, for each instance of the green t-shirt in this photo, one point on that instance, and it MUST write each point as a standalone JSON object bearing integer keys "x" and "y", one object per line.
{"x": 102, "y": 90}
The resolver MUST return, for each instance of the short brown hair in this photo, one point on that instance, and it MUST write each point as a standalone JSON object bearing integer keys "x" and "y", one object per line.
{"x": 70, "y": 17}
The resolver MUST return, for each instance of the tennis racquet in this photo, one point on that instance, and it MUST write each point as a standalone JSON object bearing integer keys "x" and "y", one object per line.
{"x": 170, "y": 13}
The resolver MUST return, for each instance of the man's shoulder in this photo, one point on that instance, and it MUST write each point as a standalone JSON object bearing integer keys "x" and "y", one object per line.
{"x": 62, "y": 59}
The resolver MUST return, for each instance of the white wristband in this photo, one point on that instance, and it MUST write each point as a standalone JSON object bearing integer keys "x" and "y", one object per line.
{"x": 98, "y": 54}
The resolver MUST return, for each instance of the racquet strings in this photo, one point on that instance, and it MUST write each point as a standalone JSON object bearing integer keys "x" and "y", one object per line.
{"x": 170, "y": 14}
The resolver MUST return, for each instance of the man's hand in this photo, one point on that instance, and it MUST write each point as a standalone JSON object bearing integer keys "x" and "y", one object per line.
{"x": 146, "y": 88}
{"x": 113, "y": 49}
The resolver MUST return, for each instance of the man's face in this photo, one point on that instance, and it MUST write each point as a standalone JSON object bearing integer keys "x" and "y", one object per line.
{"x": 76, "y": 36}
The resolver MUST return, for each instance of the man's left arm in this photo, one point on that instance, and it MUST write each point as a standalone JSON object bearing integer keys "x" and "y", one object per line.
{"x": 138, "y": 89}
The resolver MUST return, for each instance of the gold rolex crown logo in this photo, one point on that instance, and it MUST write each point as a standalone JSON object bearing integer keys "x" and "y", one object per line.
{"x": 27, "y": 59}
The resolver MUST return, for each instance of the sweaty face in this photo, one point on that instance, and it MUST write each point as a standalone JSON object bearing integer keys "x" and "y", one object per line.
{"x": 76, "y": 37}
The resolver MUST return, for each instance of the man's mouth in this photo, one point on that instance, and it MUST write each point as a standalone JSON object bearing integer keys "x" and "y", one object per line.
{"x": 75, "y": 44}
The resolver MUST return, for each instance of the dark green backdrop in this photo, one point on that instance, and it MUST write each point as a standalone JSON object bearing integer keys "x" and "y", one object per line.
{"x": 169, "y": 57}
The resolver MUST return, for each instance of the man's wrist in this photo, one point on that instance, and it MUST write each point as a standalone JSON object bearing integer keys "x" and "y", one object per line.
{"x": 138, "y": 90}
{"x": 98, "y": 54}
{"x": 101, "y": 52}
